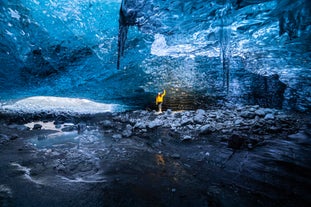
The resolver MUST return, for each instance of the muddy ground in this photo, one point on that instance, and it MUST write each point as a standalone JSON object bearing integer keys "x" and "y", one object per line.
{"x": 247, "y": 156}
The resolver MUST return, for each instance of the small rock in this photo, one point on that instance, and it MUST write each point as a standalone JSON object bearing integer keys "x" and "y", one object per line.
{"x": 185, "y": 120}
{"x": 269, "y": 117}
{"x": 58, "y": 126}
{"x": 128, "y": 131}
{"x": 117, "y": 136}
{"x": 260, "y": 112}
{"x": 106, "y": 124}
{"x": 175, "y": 156}
{"x": 252, "y": 109}
{"x": 268, "y": 111}
{"x": 219, "y": 126}
{"x": 200, "y": 116}
{"x": 169, "y": 112}
{"x": 81, "y": 127}
{"x": 186, "y": 138}
{"x": 248, "y": 114}
{"x": 274, "y": 129}
{"x": 140, "y": 125}
{"x": 3, "y": 138}
{"x": 250, "y": 146}
{"x": 37, "y": 127}
{"x": 238, "y": 122}
{"x": 14, "y": 136}
{"x": 155, "y": 123}
{"x": 69, "y": 128}
{"x": 59, "y": 122}
{"x": 212, "y": 116}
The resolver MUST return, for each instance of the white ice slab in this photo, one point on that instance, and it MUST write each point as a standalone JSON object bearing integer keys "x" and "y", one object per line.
{"x": 60, "y": 104}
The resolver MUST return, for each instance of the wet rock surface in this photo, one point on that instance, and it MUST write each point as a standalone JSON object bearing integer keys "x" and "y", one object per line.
{"x": 239, "y": 156}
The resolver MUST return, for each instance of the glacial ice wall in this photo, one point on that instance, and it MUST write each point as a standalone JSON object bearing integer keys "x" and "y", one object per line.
{"x": 244, "y": 51}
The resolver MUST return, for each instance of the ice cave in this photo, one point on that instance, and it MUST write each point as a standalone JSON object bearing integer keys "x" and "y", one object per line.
{"x": 79, "y": 125}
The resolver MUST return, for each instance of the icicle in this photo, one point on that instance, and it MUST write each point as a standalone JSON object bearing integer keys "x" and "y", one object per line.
{"x": 225, "y": 34}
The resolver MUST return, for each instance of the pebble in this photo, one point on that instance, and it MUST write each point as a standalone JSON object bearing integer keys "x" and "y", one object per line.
{"x": 269, "y": 117}
{"x": 117, "y": 136}
{"x": 37, "y": 127}
{"x": 175, "y": 156}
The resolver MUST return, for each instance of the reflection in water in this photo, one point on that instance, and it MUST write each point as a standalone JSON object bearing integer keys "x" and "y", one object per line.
{"x": 160, "y": 159}
{"x": 57, "y": 140}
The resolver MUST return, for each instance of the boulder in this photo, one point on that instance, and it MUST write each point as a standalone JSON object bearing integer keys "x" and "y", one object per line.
{"x": 206, "y": 129}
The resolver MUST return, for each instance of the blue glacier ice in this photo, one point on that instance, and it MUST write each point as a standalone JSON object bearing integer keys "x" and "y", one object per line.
{"x": 233, "y": 51}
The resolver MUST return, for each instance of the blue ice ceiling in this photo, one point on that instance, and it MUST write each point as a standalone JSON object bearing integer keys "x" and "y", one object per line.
{"x": 245, "y": 51}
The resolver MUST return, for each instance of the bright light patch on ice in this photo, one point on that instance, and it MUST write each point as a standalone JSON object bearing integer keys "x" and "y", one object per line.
{"x": 14, "y": 14}
{"x": 160, "y": 48}
{"x": 59, "y": 104}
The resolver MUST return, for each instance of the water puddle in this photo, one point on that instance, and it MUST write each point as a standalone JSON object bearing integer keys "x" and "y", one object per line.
{"x": 56, "y": 140}
{"x": 59, "y": 139}
{"x": 63, "y": 139}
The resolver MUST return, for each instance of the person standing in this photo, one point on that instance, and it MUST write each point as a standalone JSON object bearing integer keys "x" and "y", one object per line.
{"x": 159, "y": 100}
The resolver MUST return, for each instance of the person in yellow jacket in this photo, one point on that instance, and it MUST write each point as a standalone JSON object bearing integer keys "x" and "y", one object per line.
{"x": 159, "y": 100}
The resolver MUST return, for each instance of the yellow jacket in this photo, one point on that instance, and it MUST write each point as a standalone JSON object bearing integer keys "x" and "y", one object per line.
{"x": 159, "y": 98}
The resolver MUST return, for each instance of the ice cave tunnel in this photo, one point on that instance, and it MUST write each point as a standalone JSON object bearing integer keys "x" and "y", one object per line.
{"x": 78, "y": 80}
{"x": 202, "y": 52}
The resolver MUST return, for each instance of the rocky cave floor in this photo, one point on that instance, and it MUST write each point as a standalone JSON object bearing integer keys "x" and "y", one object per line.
{"x": 239, "y": 156}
